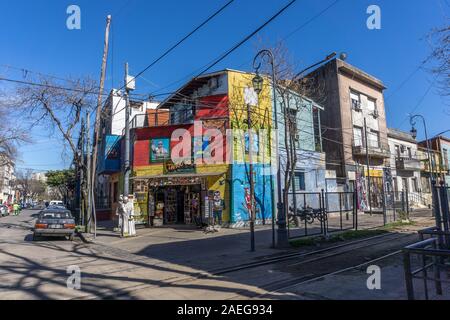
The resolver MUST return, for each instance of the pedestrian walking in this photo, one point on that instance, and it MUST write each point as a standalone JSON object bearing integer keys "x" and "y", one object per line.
{"x": 16, "y": 208}
{"x": 218, "y": 207}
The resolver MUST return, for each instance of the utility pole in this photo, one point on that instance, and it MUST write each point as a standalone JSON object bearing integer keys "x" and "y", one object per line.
{"x": 81, "y": 174}
{"x": 252, "y": 187}
{"x": 88, "y": 174}
{"x": 99, "y": 107}
{"x": 368, "y": 166}
{"x": 126, "y": 180}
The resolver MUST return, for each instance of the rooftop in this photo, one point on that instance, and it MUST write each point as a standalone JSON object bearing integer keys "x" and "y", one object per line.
{"x": 401, "y": 135}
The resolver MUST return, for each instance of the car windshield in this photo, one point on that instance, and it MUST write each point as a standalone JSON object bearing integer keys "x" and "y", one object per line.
{"x": 56, "y": 215}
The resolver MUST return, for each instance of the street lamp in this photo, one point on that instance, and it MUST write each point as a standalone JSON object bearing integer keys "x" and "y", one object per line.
{"x": 414, "y": 134}
{"x": 257, "y": 81}
{"x": 257, "y": 85}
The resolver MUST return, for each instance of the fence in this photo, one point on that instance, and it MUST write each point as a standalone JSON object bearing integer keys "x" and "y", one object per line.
{"x": 320, "y": 213}
{"x": 433, "y": 254}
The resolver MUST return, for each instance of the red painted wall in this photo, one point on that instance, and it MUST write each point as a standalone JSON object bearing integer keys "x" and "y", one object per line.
{"x": 213, "y": 107}
{"x": 210, "y": 107}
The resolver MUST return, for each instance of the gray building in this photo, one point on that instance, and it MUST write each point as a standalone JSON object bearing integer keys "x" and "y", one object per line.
{"x": 351, "y": 98}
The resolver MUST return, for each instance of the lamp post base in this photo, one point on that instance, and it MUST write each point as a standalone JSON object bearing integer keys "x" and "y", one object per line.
{"x": 282, "y": 237}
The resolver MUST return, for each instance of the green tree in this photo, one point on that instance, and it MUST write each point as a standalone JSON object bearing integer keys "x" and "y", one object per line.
{"x": 61, "y": 180}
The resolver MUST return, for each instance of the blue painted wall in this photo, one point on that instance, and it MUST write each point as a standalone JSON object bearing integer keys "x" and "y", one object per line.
{"x": 109, "y": 159}
{"x": 263, "y": 192}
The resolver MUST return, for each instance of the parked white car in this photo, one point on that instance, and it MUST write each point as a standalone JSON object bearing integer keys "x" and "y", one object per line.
{"x": 56, "y": 203}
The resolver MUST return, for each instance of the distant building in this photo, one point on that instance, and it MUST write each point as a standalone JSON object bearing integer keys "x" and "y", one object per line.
{"x": 109, "y": 164}
{"x": 351, "y": 98}
{"x": 7, "y": 177}
{"x": 405, "y": 166}
{"x": 440, "y": 149}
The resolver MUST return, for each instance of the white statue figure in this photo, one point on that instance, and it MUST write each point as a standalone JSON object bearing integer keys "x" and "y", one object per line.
{"x": 129, "y": 209}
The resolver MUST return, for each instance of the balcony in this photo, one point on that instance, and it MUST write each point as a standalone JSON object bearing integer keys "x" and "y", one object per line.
{"x": 153, "y": 118}
{"x": 374, "y": 152}
{"x": 408, "y": 164}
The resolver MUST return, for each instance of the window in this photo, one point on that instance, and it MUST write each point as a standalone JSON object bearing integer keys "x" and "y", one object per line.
{"x": 415, "y": 185}
{"x": 355, "y": 101}
{"x": 371, "y": 105}
{"x": 374, "y": 139}
{"x": 445, "y": 154}
{"x": 293, "y": 119}
{"x": 397, "y": 150}
{"x": 357, "y": 136}
{"x": 115, "y": 191}
{"x": 299, "y": 181}
{"x": 409, "y": 152}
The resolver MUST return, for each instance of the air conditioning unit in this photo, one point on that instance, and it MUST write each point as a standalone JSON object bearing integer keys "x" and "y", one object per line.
{"x": 376, "y": 114}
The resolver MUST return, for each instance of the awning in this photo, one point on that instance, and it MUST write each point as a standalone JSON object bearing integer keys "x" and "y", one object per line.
{"x": 179, "y": 175}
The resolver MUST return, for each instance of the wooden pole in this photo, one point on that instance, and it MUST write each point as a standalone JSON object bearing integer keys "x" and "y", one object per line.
{"x": 98, "y": 113}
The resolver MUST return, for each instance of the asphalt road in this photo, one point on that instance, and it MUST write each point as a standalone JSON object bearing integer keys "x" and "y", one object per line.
{"x": 41, "y": 270}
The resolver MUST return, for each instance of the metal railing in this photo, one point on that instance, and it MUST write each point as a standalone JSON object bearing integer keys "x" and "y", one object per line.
{"x": 320, "y": 213}
{"x": 434, "y": 249}
{"x": 151, "y": 119}
{"x": 431, "y": 257}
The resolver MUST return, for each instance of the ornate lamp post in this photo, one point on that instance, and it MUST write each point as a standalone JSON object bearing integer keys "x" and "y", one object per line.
{"x": 258, "y": 86}
{"x": 414, "y": 135}
{"x": 282, "y": 236}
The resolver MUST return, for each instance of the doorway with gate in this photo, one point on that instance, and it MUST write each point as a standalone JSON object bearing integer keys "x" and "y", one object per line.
{"x": 171, "y": 205}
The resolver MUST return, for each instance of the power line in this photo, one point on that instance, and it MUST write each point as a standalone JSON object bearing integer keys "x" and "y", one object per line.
{"x": 231, "y": 50}
{"x": 287, "y": 36}
{"x": 182, "y": 40}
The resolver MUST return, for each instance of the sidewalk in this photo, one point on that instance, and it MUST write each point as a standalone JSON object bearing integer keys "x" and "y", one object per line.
{"x": 191, "y": 247}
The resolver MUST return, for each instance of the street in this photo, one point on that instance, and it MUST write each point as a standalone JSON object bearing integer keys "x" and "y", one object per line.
{"x": 131, "y": 269}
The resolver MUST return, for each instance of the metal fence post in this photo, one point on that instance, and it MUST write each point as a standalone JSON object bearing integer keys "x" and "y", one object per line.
{"x": 437, "y": 273}
{"x": 445, "y": 213}
{"x": 355, "y": 209}
{"x": 383, "y": 195}
{"x": 408, "y": 275}
{"x": 407, "y": 203}
{"x": 324, "y": 214}
{"x": 340, "y": 209}
{"x": 437, "y": 208}
{"x": 403, "y": 201}
{"x": 393, "y": 206}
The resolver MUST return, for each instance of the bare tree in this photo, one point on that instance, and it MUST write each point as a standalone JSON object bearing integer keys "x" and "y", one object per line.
{"x": 291, "y": 88}
{"x": 439, "y": 59}
{"x": 23, "y": 183}
{"x": 58, "y": 108}
{"x": 12, "y": 133}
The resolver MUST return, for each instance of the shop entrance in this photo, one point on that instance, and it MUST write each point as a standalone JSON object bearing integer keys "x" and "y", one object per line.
{"x": 175, "y": 204}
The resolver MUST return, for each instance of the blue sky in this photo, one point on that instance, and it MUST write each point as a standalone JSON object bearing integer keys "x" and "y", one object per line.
{"x": 34, "y": 36}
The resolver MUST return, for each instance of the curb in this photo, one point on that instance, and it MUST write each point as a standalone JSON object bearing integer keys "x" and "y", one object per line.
{"x": 83, "y": 238}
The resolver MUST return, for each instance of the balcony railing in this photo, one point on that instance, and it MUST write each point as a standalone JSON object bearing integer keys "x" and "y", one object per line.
{"x": 406, "y": 163}
{"x": 374, "y": 152}
{"x": 153, "y": 119}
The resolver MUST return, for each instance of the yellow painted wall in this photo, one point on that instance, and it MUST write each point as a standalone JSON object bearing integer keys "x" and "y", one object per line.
{"x": 215, "y": 183}
{"x": 261, "y": 114}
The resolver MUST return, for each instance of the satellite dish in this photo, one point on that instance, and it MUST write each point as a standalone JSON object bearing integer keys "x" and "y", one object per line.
{"x": 343, "y": 56}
